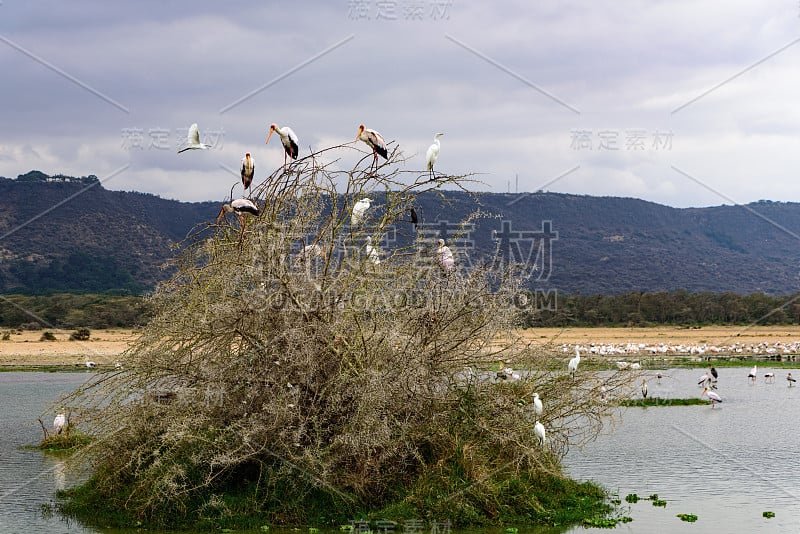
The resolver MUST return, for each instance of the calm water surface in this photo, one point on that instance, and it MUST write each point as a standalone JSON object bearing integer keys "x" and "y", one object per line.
{"x": 726, "y": 465}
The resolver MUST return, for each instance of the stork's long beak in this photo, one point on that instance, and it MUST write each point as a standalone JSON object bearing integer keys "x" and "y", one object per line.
{"x": 221, "y": 214}
{"x": 268, "y": 136}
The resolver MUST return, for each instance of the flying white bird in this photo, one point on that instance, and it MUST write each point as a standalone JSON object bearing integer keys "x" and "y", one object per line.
{"x": 573, "y": 363}
{"x": 359, "y": 210}
{"x": 538, "y": 408}
{"x": 288, "y": 139}
{"x": 713, "y": 397}
{"x": 372, "y": 253}
{"x": 374, "y": 140}
{"x": 444, "y": 256}
{"x": 539, "y": 432}
{"x": 433, "y": 154}
{"x": 193, "y": 140}
{"x": 59, "y": 423}
{"x": 644, "y": 388}
{"x": 753, "y": 374}
{"x": 248, "y": 170}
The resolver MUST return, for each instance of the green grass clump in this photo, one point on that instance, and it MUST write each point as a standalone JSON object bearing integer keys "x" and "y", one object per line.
{"x": 659, "y": 502}
{"x": 632, "y": 498}
{"x": 66, "y": 441}
{"x": 768, "y": 515}
{"x": 691, "y": 518}
{"x": 657, "y": 401}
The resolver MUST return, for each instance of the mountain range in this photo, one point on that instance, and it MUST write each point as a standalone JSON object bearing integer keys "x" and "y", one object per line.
{"x": 68, "y": 234}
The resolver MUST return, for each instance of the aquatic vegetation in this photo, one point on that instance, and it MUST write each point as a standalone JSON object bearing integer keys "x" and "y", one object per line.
{"x": 691, "y": 518}
{"x": 768, "y": 515}
{"x": 632, "y": 498}
{"x": 657, "y": 401}
{"x": 659, "y": 502}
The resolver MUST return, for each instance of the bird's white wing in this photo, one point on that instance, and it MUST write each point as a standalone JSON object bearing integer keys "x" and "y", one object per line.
{"x": 193, "y": 136}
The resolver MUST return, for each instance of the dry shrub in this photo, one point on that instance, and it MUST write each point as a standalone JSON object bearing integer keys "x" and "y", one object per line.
{"x": 325, "y": 378}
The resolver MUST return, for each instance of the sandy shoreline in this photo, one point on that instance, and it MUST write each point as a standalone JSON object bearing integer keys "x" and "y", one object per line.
{"x": 105, "y": 346}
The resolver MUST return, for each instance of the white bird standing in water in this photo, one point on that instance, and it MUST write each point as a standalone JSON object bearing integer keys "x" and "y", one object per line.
{"x": 433, "y": 154}
{"x": 712, "y": 396}
{"x": 538, "y": 408}
{"x": 644, "y": 388}
{"x": 573, "y": 363}
{"x": 539, "y": 432}
{"x": 372, "y": 253}
{"x": 59, "y": 423}
{"x": 444, "y": 256}
{"x": 289, "y": 140}
{"x": 193, "y": 140}
{"x": 359, "y": 210}
{"x": 753, "y": 374}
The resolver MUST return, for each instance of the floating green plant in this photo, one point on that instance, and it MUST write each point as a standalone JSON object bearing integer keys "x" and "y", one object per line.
{"x": 659, "y": 502}
{"x": 653, "y": 497}
{"x": 768, "y": 514}
{"x": 691, "y": 518}
{"x": 632, "y": 498}
{"x": 657, "y": 401}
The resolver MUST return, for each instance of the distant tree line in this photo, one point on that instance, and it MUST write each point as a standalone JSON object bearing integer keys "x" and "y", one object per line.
{"x": 67, "y": 310}
{"x": 669, "y": 307}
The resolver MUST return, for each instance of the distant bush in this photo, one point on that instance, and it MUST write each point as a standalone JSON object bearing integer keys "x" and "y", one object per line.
{"x": 47, "y": 336}
{"x": 81, "y": 334}
{"x": 6, "y": 336}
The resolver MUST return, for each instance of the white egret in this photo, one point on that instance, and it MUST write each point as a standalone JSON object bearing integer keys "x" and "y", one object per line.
{"x": 444, "y": 257}
{"x": 372, "y": 253}
{"x": 432, "y": 154}
{"x": 644, "y": 388}
{"x": 248, "y": 170}
{"x": 359, "y": 209}
{"x": 374, "y": 140}
{"x": 59, "y": 423}
{"x": 713, "y": 396}
{"x": 540, "y": 433}
{"x": 193, "y": 140}
{"x": 289, "y": 140}
{"x": 572, "y": 366}
{"x": 538, "y": 408}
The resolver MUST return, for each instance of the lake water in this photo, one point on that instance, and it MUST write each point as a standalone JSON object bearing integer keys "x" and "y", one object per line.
{"x": 726, "y": 465}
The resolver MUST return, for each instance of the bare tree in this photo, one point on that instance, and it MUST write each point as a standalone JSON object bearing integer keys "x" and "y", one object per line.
{"x": 290, "y": 361}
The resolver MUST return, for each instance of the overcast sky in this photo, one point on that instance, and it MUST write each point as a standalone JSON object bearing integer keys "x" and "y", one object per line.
{"x": 684, "y": 103}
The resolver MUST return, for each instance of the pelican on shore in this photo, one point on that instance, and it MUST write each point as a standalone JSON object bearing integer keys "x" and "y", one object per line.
{"x": 193, "y": 140}
{"x": 713, "y": 396}
{"x": 291, "y": 144}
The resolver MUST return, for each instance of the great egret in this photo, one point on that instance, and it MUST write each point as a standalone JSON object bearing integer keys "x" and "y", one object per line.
{"x": 59, "y": 423}
{"x": 359, "y": 210}
{"x": 573, "y": 363}
{"x": 540, "y": 433}
{"x": 432, "y": 154}
{"x": 372, "y": 253}
{"x": 374, "y": 140}
{"x": 713, "y": 397}
{"x": 538, "y": 408}
{"x": 193, "y": 140}
{"x": 288, "y": 139}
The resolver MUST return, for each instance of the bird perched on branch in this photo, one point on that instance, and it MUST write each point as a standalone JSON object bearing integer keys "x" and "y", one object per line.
{"x": 193, "y": 140}
{"x": 540, "y": 433}
{"x": 59, "y": 423}
{"x": 433, "y": 154}
{"x": 444, "y": 256}
{"x": 359, "y": 209}
{"x": 240, "y": 207}
{"x": 289, "y": 140}
{"x": 374, "y": 140}
{"x": 538, "y": 407}
{"x": 248, "y": 170}
{"x": 371, "y": 252}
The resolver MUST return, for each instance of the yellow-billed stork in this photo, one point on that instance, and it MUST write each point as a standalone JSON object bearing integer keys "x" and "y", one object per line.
{"x": 248, "y": 170}
{"x": 374, "y": 140}
{"x": 240, "y": 206}
{"x": 713, "y": 396}
{"x": 291, "y": 144}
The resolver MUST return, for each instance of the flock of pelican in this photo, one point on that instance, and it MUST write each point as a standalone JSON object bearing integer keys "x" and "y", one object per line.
{"x": 699, "y": 349}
